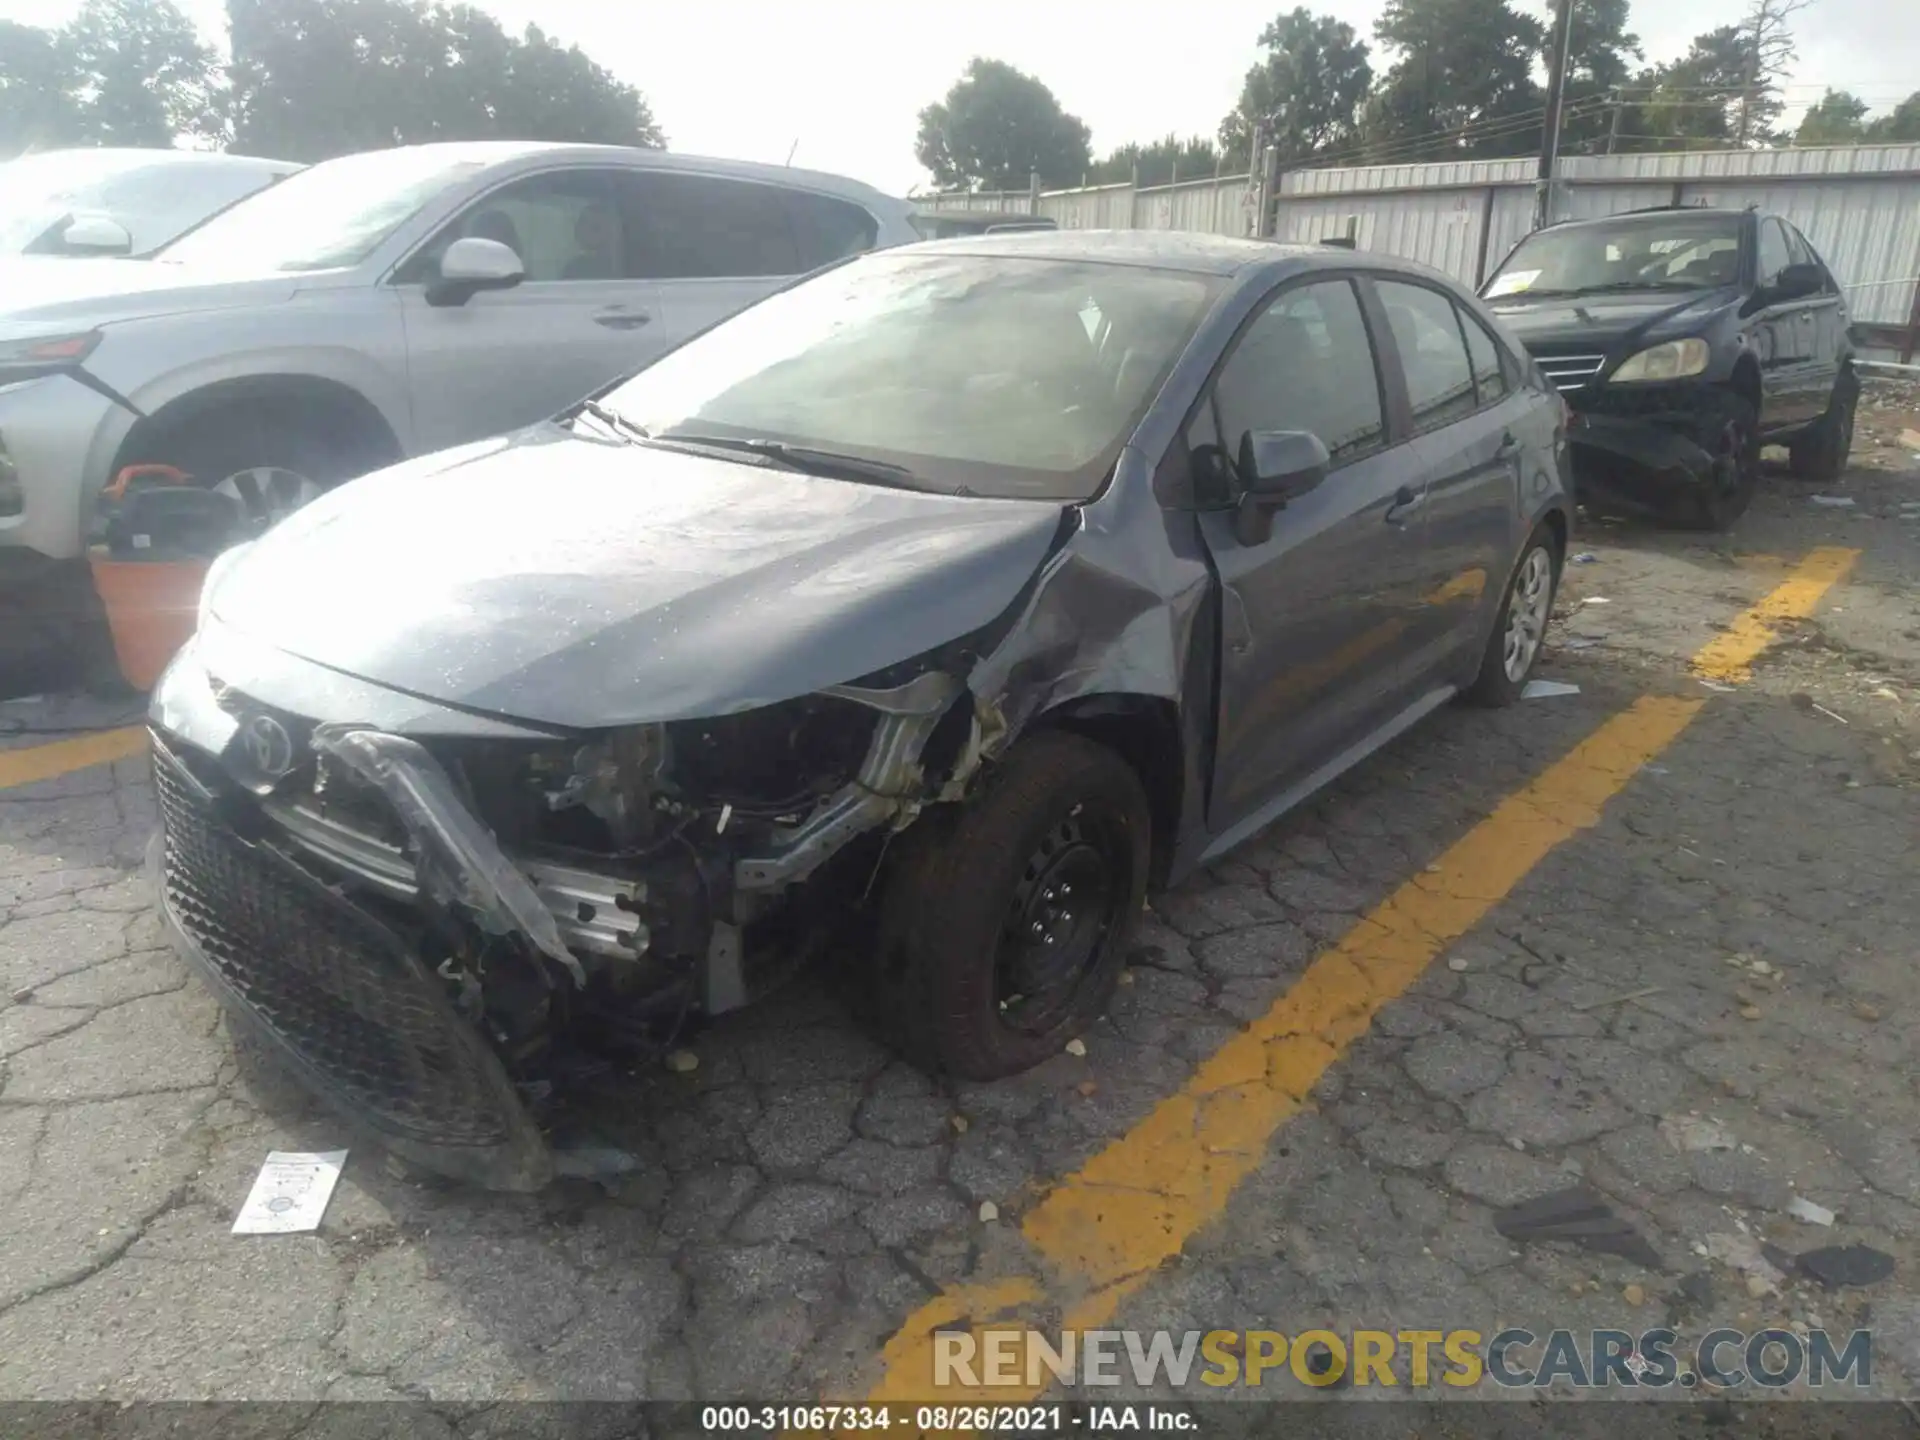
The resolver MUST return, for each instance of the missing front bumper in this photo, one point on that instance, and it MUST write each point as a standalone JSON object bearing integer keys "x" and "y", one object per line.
{"x": 339, "y": 998}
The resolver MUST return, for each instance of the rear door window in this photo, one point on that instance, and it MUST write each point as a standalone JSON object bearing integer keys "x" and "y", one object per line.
{"x": 1433, "y": 352}
{"x": 701, "y": 227}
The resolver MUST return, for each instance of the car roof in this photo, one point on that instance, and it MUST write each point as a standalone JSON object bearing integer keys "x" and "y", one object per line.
{"x": 127, "y": 157}
{"x": 1175, "y": 250}
{"x": 1652, "y": 212}
{"x": 497, "y": 152}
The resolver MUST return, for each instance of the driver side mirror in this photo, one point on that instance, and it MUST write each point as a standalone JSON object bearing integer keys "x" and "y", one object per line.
{"x": 1797, "y": 281}
{"x": 96, "y": 235}
{"x": 1275, "y": 467}
{"x": 471, "y": 265}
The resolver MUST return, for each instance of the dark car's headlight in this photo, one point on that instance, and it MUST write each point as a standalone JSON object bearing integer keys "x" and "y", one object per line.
{"x": 1672, "y": 360}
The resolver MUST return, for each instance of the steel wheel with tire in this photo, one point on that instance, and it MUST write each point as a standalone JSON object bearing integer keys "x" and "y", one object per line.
{"x": 1002, "y": 930}
{"x": 1820, "y": 455}
{"x": 1732, "y": 439}
{"x": 1513, "y": 650}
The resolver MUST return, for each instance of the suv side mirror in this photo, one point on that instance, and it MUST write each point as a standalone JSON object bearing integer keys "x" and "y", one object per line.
{"x": 1796, "y": 281}
{"x": 96, "y": 235}
{"x": 1275, "y": 466}
{"x": 472, "y": 264}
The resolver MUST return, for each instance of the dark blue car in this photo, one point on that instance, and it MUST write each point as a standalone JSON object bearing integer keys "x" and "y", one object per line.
{"x": 919, "y": 618}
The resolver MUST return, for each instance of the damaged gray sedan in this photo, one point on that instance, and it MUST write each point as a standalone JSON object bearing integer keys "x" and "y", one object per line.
{"x": 914, "y": 621}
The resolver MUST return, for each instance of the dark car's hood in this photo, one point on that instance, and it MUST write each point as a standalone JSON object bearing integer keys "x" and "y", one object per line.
{"x": 582, "y": 583}
{"x": 1606, "y": 320}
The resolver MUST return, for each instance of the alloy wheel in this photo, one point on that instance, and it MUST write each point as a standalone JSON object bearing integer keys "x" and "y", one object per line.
{"x": 1527, "y": 613}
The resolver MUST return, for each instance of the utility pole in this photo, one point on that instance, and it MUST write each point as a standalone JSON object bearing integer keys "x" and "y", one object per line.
{"x": 1753, "y": 72}
{"x": 1556, "y": 95}
{"x": 1613, "y": 128}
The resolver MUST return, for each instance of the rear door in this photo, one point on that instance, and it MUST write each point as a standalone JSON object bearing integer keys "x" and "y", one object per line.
{"x": 1315, "y": 624}
{"x": 508, "y": 358}
{"x": 1782, "y": 332}
{"x": 1825, "y": 325}
{"x": 1463, "y": 418}
{"x": 716, "y": 244}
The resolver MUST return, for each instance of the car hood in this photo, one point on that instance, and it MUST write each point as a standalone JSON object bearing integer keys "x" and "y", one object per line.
{"x": 573, "y": 582}
{"x": 42, "y": 290}
{"x": 1603, "y": 320}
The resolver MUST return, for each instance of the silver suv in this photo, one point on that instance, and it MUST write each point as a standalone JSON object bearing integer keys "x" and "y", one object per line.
{"x": 384, "y": 305}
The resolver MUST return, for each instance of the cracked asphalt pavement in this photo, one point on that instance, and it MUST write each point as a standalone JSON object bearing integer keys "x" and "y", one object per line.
{"x": 1725, "y": 958}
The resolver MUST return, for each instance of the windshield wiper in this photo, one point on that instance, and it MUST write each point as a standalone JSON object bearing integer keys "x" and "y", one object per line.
{"x": 1640, "y": 285}
{"x": 831, "y": 464}
{"x": 613, "y": 420}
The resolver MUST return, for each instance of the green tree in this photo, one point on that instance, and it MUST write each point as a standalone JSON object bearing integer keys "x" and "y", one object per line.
{"x": 1698, "y": 100}
{"x": 312, "y": 79}
{"x": 996, "y": 127}
{"x": 1903, "y": 124}
{"x": 1461, "y": 84}
{"x": 1160, "y": 163}
{"x": 1836, "y": 120}
{"x": 1305, "y": 93}
{"x": 37, "y": 109}
{"x": 139, "y": 74}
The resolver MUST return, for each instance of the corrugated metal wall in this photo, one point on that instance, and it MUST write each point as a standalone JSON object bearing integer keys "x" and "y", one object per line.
{"x": 1860, "y": 205}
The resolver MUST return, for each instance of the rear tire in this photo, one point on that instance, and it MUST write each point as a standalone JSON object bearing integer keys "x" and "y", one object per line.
{"x": 1004, "y": 922}
{"x": 1519, "y": 633}
{"x": 1820, "y": 454}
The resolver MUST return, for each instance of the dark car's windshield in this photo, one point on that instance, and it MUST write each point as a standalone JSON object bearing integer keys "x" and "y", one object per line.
{"x": 1673, "y": 251}
{"x": 974, "y": 374}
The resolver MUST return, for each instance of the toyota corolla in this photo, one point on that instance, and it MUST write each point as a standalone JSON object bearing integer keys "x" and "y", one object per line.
{"x": 914, "y": 621}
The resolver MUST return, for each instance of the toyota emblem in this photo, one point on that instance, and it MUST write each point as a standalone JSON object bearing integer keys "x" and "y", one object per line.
{"x": 267, "y": 745}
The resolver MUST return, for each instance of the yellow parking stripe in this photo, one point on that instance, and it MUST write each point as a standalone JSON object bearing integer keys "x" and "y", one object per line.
{"x": 1730, "y": 655}
{"x": 1102, "y": 1231}
{"x": 44, "y": 762}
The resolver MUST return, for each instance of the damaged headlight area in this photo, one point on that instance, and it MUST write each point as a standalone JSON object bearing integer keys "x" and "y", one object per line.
{"x": 440, "y": 933}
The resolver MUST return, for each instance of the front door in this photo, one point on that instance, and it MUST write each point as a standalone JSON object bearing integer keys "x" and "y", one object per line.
{"x": 1824, "y": 323}
{"x": 1315, "y": 629}
{"x": 579, "y": 320}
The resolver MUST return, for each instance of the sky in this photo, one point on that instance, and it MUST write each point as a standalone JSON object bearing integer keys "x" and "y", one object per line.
{"x": 839, "y": 84}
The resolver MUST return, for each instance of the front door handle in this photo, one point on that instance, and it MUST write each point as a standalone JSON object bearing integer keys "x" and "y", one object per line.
{"x": 1508, "y": 445}
{"x": 622, "y": 319}
{"x": 1406, "y": 502}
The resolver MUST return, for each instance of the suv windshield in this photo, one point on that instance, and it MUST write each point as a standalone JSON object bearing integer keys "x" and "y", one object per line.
{"x": 975, "y": 374}
{"x": 325, "y": 218}
{"x": 1673, "y": 251}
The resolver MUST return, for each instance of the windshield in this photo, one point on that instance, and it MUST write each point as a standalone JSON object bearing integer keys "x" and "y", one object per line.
{"x": 155, "y": 198}
{"x": 331, "y": 216}
{"x": 1673, "y": 251}
{"x": 975, "y": 374}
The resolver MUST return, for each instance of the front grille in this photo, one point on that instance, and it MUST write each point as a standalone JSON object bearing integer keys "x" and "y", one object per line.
{"x": 1570, "y": 372}
{"x": 334, "y": 985}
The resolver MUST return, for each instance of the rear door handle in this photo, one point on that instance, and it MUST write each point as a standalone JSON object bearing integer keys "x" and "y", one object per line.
{"x": 622, "y": 319}
{"x": 1406, "y": 502}
{"x": 1509, "y": 443}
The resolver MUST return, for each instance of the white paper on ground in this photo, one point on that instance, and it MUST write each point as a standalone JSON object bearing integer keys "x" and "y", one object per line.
{"x": 290, "y": 1193}
{"x": 1548, "y": 689}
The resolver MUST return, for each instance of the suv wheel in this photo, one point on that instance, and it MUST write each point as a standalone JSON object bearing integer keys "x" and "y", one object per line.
{"x": 1820, "y": 454}
{"x": 269, "y": 465}
{"x": 1732, "y": 438}
{"x": 1004, "y": 923}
